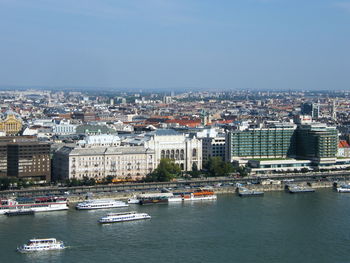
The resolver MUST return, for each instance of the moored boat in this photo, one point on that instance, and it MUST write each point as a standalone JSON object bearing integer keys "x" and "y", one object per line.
{"x": 294, "y": 189}
{"x": 38, "y": 204}
{"x": 44, "y": 244}
{"x": 197, "y": 195}
{"x": 344, "y": 188}
{"x": 123, "y": 217}
{"x": 154, "y": 198}
{"x": 242, "y": 191}
{"x": 202, "y": 194}
{"x": 133, "y": 200}
{"x": 100, "y": 204}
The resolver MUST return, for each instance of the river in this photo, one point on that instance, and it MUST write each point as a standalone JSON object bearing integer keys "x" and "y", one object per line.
{"x": 278, "y": 227}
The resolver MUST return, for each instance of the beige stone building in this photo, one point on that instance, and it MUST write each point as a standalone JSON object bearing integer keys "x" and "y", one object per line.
{"x": 131, "y": 162}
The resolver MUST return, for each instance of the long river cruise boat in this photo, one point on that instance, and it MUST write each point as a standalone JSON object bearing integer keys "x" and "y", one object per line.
{"x": 154, "y": 198}
{"x": 197, "y": 195}
{"x": 35, "y": 245}
{"x": 100, "y": 204}
{"x": 36, "y": 204}
{"x": 122, "y": 217}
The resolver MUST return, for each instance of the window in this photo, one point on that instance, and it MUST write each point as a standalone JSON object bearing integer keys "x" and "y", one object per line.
{"x": 182, "y": 155}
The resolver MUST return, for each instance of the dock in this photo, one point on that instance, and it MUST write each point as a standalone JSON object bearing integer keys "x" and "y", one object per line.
{"x": 294, "y": 189}
{"x": 242, "y": 191}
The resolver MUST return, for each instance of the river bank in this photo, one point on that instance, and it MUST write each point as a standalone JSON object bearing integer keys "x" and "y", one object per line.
{"x": 218, "y": 190}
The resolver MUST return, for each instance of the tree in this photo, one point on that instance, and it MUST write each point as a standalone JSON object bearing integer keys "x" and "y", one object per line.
{"x": 109, "y": 179}
{"x": 73, "y": 182}
{"x": 165, "y": 172}
{"x": 217, "y": 167}
{"x": 4, "y": 183}
{"x": 88, "y": 181}
{"x": 195, "y": 172}
{"x": 304, "y": 170}
{"x": 242, "y": 171}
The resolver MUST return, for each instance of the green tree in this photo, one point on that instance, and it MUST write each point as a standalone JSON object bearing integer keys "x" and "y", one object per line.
{"x": 215, "y": 167}
{"x": 242, "y": 171}
{"x": 88, "y": 181}
{"x": 73, "y": 182}
{"x": 108, "y": 179}
{"x": 4, "y": 183}
{"x": 304, "y": 170}
{"x": 195, "y": 172}
{"x": 165, "y": 172}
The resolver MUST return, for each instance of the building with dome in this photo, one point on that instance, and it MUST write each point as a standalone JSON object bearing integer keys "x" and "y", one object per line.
{"x": 10, "y": 123}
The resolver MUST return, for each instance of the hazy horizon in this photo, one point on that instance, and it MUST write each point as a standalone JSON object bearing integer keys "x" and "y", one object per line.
{"x": 165, "y": 45}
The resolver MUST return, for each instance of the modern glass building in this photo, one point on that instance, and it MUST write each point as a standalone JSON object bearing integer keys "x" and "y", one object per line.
{"x": 316, "y": 141}
{"x": 313, "y": 141}
{"x": 274, "y": 141}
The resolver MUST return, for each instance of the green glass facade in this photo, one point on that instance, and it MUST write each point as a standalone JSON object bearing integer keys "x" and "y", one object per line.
{"x": 262, "y": 143}
{"x": 316, "y": 142}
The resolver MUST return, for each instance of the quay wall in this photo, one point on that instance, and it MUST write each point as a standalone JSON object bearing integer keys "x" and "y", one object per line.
{"x": 217, "y": 190}
{"x": 220, "y": 185}
{"x": 281, "y": 187}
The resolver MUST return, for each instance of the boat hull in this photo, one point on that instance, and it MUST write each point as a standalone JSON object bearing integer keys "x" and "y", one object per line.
{"x": 22, "y": 250}
{"x": 201, "y": 198}
{"x": 302, "y": 191}
{"x": 153, "y": 201}
{"x": 35, "y": 207}
{"x": 343, "y": 190}
{"x": 105, "y": 207}
{"x": 251, "y": 194}
{"x": 20, "y": 213}
{"x": 120, "y": 221}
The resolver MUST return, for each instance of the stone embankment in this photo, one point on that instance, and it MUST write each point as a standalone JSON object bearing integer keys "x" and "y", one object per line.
{"x": 282, "y": 186}
{"x": 217, "y": 190}
{"x": 219, "y": 184}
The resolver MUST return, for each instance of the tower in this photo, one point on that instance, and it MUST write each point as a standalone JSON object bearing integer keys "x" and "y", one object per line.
{"x": 334, "y": 110}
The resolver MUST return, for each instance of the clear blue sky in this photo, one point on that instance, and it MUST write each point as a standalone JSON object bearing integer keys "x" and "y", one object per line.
{"x": 169, "y": 44}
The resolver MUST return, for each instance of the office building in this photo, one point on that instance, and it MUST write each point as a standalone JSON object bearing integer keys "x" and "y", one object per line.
{"x": 275, "y": 140}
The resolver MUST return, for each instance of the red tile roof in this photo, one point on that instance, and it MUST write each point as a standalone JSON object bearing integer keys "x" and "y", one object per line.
{"x": 343, "y": 144}
{"x": 188, "y": 123}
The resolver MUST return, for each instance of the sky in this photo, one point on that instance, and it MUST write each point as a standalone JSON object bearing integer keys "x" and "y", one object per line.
{"x": 176, "y": 44}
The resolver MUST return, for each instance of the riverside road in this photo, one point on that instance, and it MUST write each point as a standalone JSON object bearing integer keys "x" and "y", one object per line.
{"x": 179, "y": 184}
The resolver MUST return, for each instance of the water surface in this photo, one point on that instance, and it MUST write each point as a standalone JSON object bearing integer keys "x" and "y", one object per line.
{"x": 279, "y": 227}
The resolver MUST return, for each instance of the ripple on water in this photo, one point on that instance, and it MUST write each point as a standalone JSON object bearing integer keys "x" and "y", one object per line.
{"x": 278, "y": 227}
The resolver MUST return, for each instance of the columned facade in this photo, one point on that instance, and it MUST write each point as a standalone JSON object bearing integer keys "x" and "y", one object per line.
{"x": 185, "y": 150}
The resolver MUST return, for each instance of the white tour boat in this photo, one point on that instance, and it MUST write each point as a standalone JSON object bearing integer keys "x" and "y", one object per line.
{"x": 100, "y": 204}
{"x": 35, "y": 204}
{"x": 44, "y": 244}
{"x": 344, "y": 188}
{"x": 122, "y": 217}
{"x": 134, "y": 200}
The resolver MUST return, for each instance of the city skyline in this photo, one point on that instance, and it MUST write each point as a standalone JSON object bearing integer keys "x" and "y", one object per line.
{"x": 176, "y": 45}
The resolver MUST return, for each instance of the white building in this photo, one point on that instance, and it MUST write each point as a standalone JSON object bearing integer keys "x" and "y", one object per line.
{"x": 100, "y": 140}
{"x": 99, "y": 162}
{"x": 213, "y": 143}
{"x": 64, "y": 128}
{"x": 184, "y": 149}
{"x": 214, "y": 147}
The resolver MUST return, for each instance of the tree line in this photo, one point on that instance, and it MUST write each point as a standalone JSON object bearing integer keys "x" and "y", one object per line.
{"x": 168, "y": 170}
